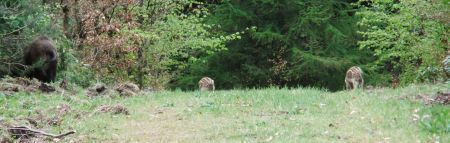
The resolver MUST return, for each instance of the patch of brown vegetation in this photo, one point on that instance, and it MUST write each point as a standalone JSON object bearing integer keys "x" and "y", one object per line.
{"x": 27, "y": 134}
{"x": 39, "y": 119}
{"x": 32, "y": 140}
{"x": 19, "y": 130}
{"x": 114, "y": 109}
{"x": 44, "y": 87}
{"x": 3, "y": 134}
{"x": 21, "y": 81}
{"x": 426, "y": 99}
{"x": 11, "y": 85}
{"x": 124, "y": 89}
{"x": 63, "y": 84}
{"x": 4, "y": 139}
{"x": 442, "y": 98}
{"x": 20, "y": 134}
{"x": 60, "y": 112}
{"x": 55, "y": 121}
{"x": 62, "y": 109}
{"x": 96, "y": 90}
{"x": 127, "y": 89}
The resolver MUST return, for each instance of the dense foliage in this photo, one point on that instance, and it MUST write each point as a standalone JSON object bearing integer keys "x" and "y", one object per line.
{"x": 296, "y": 42}
{"x": 240, "y": 44}
{"x": 407, "y": 37}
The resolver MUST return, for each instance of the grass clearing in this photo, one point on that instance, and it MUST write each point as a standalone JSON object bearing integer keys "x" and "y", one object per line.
{"x": 266, "y": 115}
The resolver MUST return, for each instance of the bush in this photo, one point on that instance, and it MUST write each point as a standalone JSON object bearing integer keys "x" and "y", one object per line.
{"x": 405, "y": 37}
{"x": 74, "y": 71}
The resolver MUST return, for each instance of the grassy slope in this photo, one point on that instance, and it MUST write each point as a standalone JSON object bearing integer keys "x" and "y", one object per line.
{"x": 298, "y": 115}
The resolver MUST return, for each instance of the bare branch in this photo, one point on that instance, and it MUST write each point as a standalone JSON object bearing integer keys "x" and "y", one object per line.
{"x": 26, "y": 131}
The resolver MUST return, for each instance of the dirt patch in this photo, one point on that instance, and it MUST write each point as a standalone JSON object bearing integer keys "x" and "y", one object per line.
{"x": 114, "y": 109}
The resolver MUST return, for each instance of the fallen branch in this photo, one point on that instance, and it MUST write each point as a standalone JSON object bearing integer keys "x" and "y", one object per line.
{"x": 26, "y": 131}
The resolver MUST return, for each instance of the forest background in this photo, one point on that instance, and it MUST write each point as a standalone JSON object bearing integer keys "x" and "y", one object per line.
{"x": 171, "y": 44}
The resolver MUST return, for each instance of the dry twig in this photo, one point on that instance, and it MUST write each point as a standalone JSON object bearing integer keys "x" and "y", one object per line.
{"x": 20, "y": 131}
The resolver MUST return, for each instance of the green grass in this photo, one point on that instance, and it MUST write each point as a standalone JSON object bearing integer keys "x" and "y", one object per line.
{"x": 266, "y": 115}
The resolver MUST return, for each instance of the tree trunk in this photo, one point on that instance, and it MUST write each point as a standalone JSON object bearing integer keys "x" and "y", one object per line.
{"x": 79, "y": 25}
{"x": 66, "y": 12}
{"x": 141, "y": 58}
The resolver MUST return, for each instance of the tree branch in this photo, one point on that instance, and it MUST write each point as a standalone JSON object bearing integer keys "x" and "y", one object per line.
{"x": 23, "y": 131}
